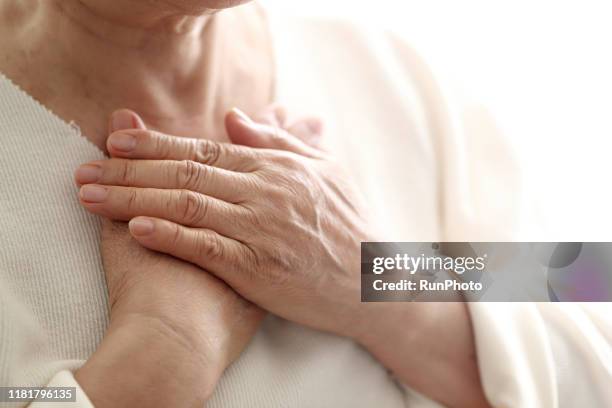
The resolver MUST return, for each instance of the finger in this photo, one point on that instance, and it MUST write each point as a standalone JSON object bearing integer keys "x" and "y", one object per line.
{"x": 244, "y": 131}
{"x": 309, "y": 131}
{"x": 181, "y": 206}
{"x": 167, "y": 174}
{"x": 206, "y": 248}
{"x": 151, "y": 145}
{"x": 124, "y": 119}
{"x": 273, "y": 115}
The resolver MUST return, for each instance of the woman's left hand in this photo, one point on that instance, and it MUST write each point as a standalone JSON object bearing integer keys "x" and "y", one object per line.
{"x": 271, "y": 215}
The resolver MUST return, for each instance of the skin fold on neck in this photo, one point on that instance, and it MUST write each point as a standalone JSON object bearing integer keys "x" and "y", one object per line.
{"x": 177, "y": 68}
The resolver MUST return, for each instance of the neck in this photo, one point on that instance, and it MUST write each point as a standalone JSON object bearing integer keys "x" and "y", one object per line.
{"x": 115, "y": 54}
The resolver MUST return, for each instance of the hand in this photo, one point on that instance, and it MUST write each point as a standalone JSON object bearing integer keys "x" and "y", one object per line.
{"x": 307, "y": 129}
{"x": 288, "y": 224}
{"x": 179, "y": 326}
{"x": 281, "y": 225}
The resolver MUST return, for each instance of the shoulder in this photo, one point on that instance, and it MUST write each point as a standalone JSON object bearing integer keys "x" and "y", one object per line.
{"x": 392, "y": 98}
{"x": 345, "y": 37}
{"x": 354, "y": 57}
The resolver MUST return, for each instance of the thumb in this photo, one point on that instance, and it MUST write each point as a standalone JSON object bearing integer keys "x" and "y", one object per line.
{"x": 244, "y": 131}
{"x": 124, "y": 119}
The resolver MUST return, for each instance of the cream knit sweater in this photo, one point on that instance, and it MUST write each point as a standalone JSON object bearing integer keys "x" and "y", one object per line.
{"x": 418, "y": 158}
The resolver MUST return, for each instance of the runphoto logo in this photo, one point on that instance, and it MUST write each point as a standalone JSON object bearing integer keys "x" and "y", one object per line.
{"x": 413, "y": 264}
{"x": 486, "y": 271}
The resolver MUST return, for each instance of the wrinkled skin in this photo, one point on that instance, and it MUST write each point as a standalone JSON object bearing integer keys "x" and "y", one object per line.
{"x": 277, "y": 220}
{"x": 280, "y": 223}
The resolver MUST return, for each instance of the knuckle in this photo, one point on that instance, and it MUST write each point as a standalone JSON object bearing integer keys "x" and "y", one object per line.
{"x": 190, "y": 175}
{"x": 249, "y": 160}
{"x": 193, "y": 207}
{"x": 161, "y": 145}
{"x": 176, "y": 238}
{"x": 209, "y": 246}
{"x": 132, "y": 200}
{"x": 208, "y": 152}
{"x": 128, "y": 172}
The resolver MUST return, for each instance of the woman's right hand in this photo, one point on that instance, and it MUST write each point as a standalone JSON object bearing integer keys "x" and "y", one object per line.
{"x": 173, "y": 329}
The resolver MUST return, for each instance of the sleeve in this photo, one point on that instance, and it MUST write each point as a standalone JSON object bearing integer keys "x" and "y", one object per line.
{"x": 65, "y": 379}
{"x": 26, "y": 358}
{"x": 529, "y": 355}
{"x": 544, "y": 354}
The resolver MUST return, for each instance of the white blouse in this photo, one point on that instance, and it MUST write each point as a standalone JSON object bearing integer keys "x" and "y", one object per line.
{"x": 419, "y": 157}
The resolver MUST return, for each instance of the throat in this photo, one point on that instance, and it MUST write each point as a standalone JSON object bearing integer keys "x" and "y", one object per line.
{"x": 183, "y": 91}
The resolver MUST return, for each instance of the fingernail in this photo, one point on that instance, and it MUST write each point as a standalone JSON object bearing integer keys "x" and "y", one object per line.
{"x": 88, "y": 173}
{"x": 122, "y": 141}
{"x": 141, "y": 226}
{"x": 93, "y": 193}
{"x": 242, "y": 116}
{"x": 123, "y": 120}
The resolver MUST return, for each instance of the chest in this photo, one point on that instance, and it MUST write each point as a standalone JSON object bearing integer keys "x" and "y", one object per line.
{"x": 53, "y": 292}
{"x": 48, "y": 245}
